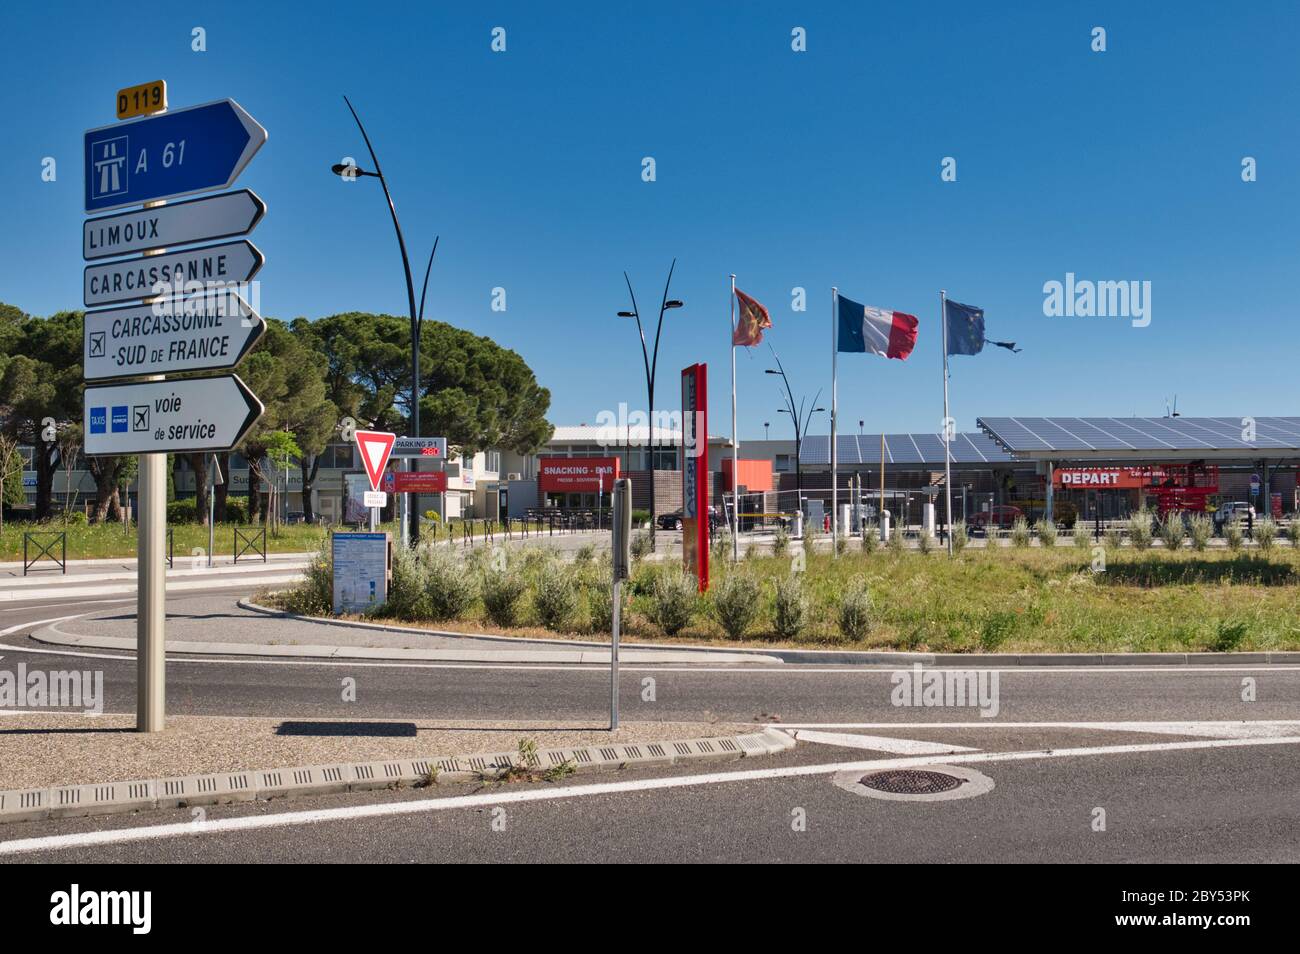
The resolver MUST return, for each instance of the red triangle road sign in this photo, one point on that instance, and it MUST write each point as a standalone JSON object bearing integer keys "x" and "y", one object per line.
{"x": 375, "y": 447}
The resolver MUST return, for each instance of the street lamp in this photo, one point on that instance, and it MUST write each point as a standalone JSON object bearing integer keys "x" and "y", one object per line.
{"x": 798, "y": 417}
{"x": 651, "y": 366}
{"x": 349, "y": 172}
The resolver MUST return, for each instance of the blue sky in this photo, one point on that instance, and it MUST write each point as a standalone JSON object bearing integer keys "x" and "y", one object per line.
{"x": 789, "y": 169}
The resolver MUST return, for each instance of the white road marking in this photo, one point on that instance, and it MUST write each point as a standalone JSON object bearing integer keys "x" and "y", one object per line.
{"x": 879, "y": 743}
{"x": 1241, "y": 729}
{"x": 173, "y": 585}
{"x": 516, "y": 796}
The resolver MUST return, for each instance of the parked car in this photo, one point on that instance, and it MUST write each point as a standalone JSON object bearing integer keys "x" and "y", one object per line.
{"x": 1001, "y": 517}
{"x": 673, "y": 521}
{"x": 1236, "y": 510}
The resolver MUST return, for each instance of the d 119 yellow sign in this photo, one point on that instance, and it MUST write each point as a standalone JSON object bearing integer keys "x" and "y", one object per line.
{"x": 143, "y": 100}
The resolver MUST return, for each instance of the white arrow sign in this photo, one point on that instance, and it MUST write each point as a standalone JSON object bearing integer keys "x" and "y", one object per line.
{"x": 178, "y": 273}
{"x": 181, "y": 223}
{"x": 206, "y": 332}
{"x": 187, "y": 416}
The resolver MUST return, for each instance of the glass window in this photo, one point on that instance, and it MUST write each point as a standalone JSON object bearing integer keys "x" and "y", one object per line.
{"x": 783, "y": 463}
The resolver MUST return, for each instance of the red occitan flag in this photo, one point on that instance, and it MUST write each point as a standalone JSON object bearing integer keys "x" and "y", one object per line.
{"x": 753, "y": 318}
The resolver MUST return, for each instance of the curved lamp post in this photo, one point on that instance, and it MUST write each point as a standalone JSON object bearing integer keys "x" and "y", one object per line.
{"x": 346, "y": 171}
{"x": 651, "y": 365}
{"x": 800, "y": 419}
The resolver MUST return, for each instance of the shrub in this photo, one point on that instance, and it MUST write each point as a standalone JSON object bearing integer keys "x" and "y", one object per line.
{"x": 503, "y": 594}
{"x": 855, "y": 610}
{"x": 789, "y": 607}
{"x": 408, "y": 596}
{"x": 1114, "y": 538}
{"x": 600, "y": 607}
{"x": 640, "y": 545}
{"x": 1081, "y": 537}
{"x": 810, "y": 535}
{"x": 1140, "y": 530}
{"x": 450, "y": 584}
{"x": 995, "y": 629}
{"x": 183, "y": 511}
{"x": 556, "y": 597}
{"x": 236, "y": 510}
{"x": 735, "y": 603}
{"x": 1265, "y": 533}
{"x": 1020, "y": 532}
{"x": 1228, "y": 636}
{"x": 1046, "y": 532}
{"x": 586, "y": 553}
{"x": 673, "y": 601}
{"x": 897, "y": 543}
{"x": 870, "y": 538}
{"x": 960, "y": 536}
{"x": 925, "y": 542}
{"x": 1293, "y": 530}
{"x": 780, "y": 541}
{"x": 313, "y": 595}
{"x": 1201, "y": 528}
{"x": 1233, "y": 535}
{"x": 841, "y": 544}
{"x": 721, "y": 548}
{"x": 1172, "y": 530}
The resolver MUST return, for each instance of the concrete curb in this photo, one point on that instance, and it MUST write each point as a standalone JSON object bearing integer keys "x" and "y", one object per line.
{"x": 220, "y": 788}
{"x": 841, "y": 657}
{"x": 53, "y": 635}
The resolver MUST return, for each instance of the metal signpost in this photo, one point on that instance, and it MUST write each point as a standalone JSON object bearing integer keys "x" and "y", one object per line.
{"x": 622, "y": 560}
{"x": 143, "y": 162}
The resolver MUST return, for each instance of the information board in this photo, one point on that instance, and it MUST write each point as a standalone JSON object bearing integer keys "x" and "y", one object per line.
{"x": 361, "y": 562}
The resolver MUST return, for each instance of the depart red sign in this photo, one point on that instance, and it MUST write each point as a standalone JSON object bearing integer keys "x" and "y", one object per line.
{"x": 577, "y": 474}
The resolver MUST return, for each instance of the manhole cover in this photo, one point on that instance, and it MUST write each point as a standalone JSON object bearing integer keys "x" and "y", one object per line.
{"x": 925, "y": 783}
{"x": 911, "y": 782}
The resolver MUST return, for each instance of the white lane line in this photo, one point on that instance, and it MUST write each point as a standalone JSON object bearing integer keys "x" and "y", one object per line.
{"x": 172, "y": 587}
{"x": 879, "y": 743}
{"x": 1241, "y": 729}
{"x": 354, "y": 812}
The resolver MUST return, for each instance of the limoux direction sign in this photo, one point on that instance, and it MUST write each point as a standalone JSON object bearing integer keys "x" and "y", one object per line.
{"x": 198, "y": 149}
{"x": 195, "y": 220}
{"x": 134, "y": 278}
{"x": 190, "y": 415}
{"x": 206, "y": 332}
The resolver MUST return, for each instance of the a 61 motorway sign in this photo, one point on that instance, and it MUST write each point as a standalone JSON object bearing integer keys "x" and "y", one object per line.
{"x": 199, "y": 149}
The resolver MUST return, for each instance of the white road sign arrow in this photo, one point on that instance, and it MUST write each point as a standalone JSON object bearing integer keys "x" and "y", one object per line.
{"x": 181, "y": 223}
{"x": 206, "y": 332}
{"x": 212, "y": 266}
{"x": 191, "y": 415}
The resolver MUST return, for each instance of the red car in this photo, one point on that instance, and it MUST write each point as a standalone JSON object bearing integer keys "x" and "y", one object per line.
{"x": 1002, "y": 517}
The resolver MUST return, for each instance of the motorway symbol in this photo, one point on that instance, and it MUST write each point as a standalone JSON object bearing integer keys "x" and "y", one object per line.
{"x": 191, "y": 415}
{"x": 206, "y": 332}
{"x": 207, "y": 268}
{"x": 425, "y": 447}
{"x": 181, "y": 223}
{"x": 375, "y": 447}
{"x": 198, "y": 149}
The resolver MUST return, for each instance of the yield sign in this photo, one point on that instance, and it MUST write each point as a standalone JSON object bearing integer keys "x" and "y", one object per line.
{"x": 375, "y": 448}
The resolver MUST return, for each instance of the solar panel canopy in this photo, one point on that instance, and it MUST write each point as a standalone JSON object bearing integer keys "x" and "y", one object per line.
{"x": 1161, "y": 438}
{"x": 902, "y": 450}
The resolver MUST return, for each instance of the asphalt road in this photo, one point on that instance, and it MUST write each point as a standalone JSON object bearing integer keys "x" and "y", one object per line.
{"x": 1168, "y": 795}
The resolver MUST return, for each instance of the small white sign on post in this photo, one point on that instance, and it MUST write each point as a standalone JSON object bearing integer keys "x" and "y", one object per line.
{"x": 361, "y": 562}
{"x": 375, "y": 498}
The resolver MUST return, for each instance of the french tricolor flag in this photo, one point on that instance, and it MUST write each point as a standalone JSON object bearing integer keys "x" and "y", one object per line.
{"x": 862, "y": 328}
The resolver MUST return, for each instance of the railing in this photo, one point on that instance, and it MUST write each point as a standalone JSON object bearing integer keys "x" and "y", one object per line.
{"x": 249, "y": 539}
{"x": 31, "y": 540}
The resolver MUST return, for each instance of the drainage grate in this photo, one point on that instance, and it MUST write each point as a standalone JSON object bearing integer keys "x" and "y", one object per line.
{"x": 911, "y": 782}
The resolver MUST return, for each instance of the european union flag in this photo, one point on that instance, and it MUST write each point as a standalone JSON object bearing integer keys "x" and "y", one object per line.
{"x": 966, "y": 329}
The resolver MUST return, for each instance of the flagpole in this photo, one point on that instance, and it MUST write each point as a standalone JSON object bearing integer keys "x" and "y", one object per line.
{"x": 735, "y": 438}
{"x": 880, "y": 514}
{"x": 947, "y": 432}
{"x": 835, "y": 414}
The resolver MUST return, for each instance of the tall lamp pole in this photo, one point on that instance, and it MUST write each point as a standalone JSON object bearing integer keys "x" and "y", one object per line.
{"x": 651, "y": 365}
{"x": 351, "y": 172}
{"x": 801, "y": 421}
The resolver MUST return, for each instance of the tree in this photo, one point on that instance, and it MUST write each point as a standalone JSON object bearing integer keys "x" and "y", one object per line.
{"x": 11, "y": 475}
{"x": 42, "y": 379}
